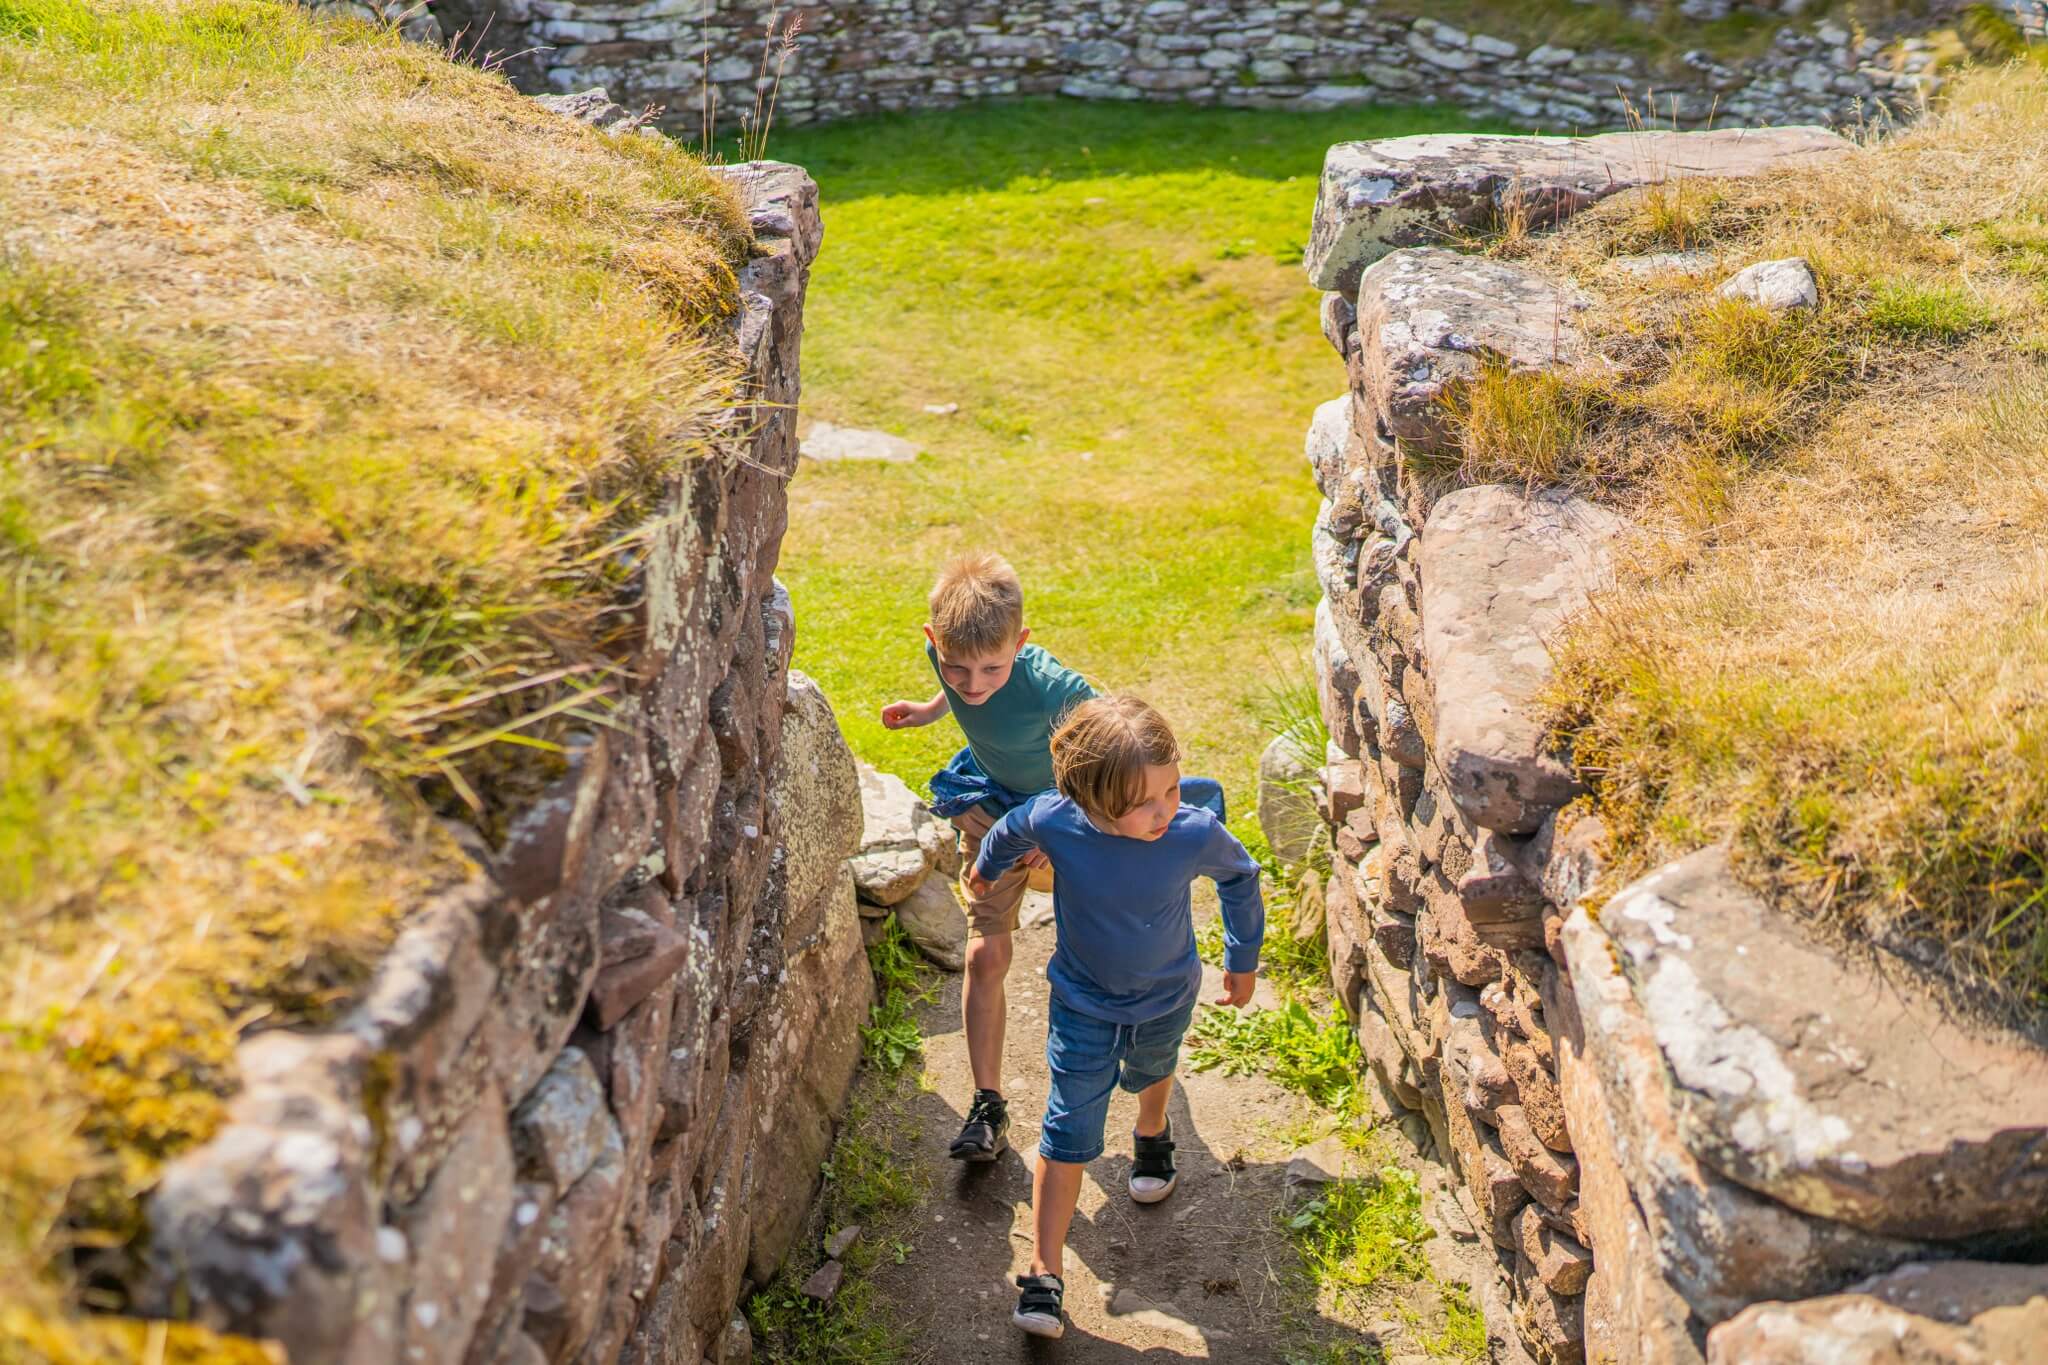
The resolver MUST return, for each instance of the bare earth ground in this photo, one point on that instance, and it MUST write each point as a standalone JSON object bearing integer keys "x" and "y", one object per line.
{"x": 1207, "y": 1275}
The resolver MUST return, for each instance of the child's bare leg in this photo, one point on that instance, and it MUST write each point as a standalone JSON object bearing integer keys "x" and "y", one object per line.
{"x": 984, "y": 1007}
{"x": 1152, "y": 1108}
{"x": 1055, "y": 1190}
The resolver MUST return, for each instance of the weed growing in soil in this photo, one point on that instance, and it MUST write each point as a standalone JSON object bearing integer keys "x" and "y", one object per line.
{"x": 891, "y": 1037}
{"x": 1358, "y": 1233}
{"x": 1317, "y": 1058}
{"x": 870, "y": 1179}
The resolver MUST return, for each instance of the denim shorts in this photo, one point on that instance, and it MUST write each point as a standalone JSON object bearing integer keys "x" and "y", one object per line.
{"x": 1089, "y": 1058}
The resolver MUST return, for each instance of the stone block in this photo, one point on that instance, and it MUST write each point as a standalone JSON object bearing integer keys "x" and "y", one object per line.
{"x": 1719, "y": 1245}
{"x": 271, "y": 1229}
{"x": 1541, "y": 1103}
{"x": 423, "y": 1009}
{"x": 1552, "y": 1177}
{"x": 1502, "y": 570}
{"x": 1556, "y": 1258}
{"x": 1390, "y": 1064}
{"x": 545, "y": 845}
{"x": 820, "y": 801}
{"x": 1430, "y": 319}
{"x": 1344, "y": 923}
{"x": 1337, "y": 683}
{"x": 560, "y": 1130}
{"x": 933, "y": 918}
{"x": 1343, "y": 787}
{"x": 892, "y": 861}
{"x": 1447, "y": 941}
{"x": 802, "y": 1060}
{"x": 1413, "y": 191}
{"x": 639, "y": 952}
{"x": 1286, "y": 810}
{"x": 452, "y": 1228}
{"x": 1949, "y": 1311}
{"x": 1803, "y": 1075}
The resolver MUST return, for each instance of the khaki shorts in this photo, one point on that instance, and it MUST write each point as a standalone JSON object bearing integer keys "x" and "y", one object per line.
{"x": 995, "y": 913}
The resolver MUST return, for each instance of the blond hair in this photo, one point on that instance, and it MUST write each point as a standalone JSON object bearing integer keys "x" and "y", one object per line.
{"x": 977, "y": 607}
{"x": 1101, "y": 750}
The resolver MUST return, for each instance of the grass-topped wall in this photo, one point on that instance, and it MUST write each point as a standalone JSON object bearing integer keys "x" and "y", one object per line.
{"x": 334, "y": 379}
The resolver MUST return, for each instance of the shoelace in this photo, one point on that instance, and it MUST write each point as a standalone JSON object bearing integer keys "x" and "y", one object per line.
{"x": 985, "y": 1111}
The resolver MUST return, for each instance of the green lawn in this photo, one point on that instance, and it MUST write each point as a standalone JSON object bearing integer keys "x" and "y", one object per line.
{"x": 1114, "y": 297}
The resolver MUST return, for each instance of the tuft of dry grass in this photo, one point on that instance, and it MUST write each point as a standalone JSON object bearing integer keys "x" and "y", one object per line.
{"x": 1831, "y": 644}
{"x": 334, "y": 380}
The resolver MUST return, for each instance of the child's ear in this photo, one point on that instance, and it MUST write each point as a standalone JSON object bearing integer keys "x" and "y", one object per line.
{"x": 930, "y": 638}
{"x": 1022, "y": 636}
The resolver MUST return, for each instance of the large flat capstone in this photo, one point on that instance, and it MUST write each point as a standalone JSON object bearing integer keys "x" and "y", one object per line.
{"x": 1501, "y": 569}
{"x": 1678, "y": 1224}
{"x": 1809, "y": 1077}
{"x": 1953, "y": 1311}
{"x": 1429, "y": 320}
{"x": 1414, "y": 191}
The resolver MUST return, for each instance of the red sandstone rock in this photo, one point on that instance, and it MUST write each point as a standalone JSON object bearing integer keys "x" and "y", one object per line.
{"x": 1556, "y": 1258}
{"x": 1537, "y": 1088}
{"x": 1501, "y": 570}
{"x": 1550, "y": 1176}
{"x": 1788, "y": 1062}
{"x": 1954, "y": 1312}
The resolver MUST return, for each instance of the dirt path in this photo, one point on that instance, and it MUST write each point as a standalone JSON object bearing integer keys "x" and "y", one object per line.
{"x": 1207, "y": 1275}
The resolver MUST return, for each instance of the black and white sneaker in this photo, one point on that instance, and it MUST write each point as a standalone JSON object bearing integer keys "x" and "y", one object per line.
{"x": 1038, "y": 1307}
{"x": 1152, "y": 1173}
{"x": 987, "y": 1130}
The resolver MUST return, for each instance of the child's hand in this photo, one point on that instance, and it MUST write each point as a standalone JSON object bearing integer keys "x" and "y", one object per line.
{"x": 975, "y": 883}
{"x": 898, "y": 714}
{"x": 1237, "y": 988}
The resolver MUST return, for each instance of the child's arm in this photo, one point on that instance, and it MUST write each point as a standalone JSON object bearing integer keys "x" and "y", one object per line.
{"x": 1244, "y": 912}
{"x": 1010, "y": 839}
{"x": 897, "y": 714}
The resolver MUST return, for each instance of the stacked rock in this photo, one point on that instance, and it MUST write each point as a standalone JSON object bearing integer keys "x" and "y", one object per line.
{"x": 707, "y": 60}
{"x": 581, "y": 1105}
{"x": 902, "y": 846}
{"x": 1652, "y": 1114}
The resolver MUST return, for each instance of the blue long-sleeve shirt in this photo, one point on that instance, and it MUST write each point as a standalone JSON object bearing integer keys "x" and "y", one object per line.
{"x": 1126, "y": 948}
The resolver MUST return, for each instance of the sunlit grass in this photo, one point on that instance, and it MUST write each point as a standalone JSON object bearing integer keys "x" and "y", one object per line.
{"x": 1831, "y": 647}
{"x": 331, "y": 374}
{"x": 1113, "y": 295}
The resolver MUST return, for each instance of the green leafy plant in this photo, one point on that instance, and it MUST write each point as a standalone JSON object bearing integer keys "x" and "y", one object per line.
{"x": 891, "y": 1037}
{"x": 1358, "y": 1233}
{"x": 1317, "y": 1058}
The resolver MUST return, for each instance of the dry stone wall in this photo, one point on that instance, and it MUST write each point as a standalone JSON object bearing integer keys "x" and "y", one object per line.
{"x": 585, "y": 1099}
{"x": 1690, "y": 1130}
{"x": 866, "y": 56}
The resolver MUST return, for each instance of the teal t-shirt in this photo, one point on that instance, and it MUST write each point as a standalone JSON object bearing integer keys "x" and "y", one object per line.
{"x": 1011, "y": 732}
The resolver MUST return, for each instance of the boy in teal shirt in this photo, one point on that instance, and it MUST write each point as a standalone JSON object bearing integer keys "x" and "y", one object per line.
{"x": 1008, "y": 696}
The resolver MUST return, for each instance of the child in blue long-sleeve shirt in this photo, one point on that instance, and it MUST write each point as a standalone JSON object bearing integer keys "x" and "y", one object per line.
{"x": 1124, "y": 975}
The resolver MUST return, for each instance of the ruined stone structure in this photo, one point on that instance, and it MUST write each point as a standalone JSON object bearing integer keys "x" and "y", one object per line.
{"x": 585, "y": 1097}
{"x": 1690, "y": 1129}
{"x": 863, "y": 56}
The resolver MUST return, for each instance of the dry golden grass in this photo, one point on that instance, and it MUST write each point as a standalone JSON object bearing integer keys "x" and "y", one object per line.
{"x": 331, "y": 375}
{"x": 1832, "y": 643}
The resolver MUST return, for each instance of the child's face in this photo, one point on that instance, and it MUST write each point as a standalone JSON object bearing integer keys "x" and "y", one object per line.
{"x": 1150, "y": 817}
{"x": 975, "y": 679}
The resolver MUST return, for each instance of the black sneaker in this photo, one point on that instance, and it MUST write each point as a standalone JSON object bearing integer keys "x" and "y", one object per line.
{"x": 987, "y": 1130}
{"x": 1152, "y": 1173}
{"x": 1038, "y": 1307}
